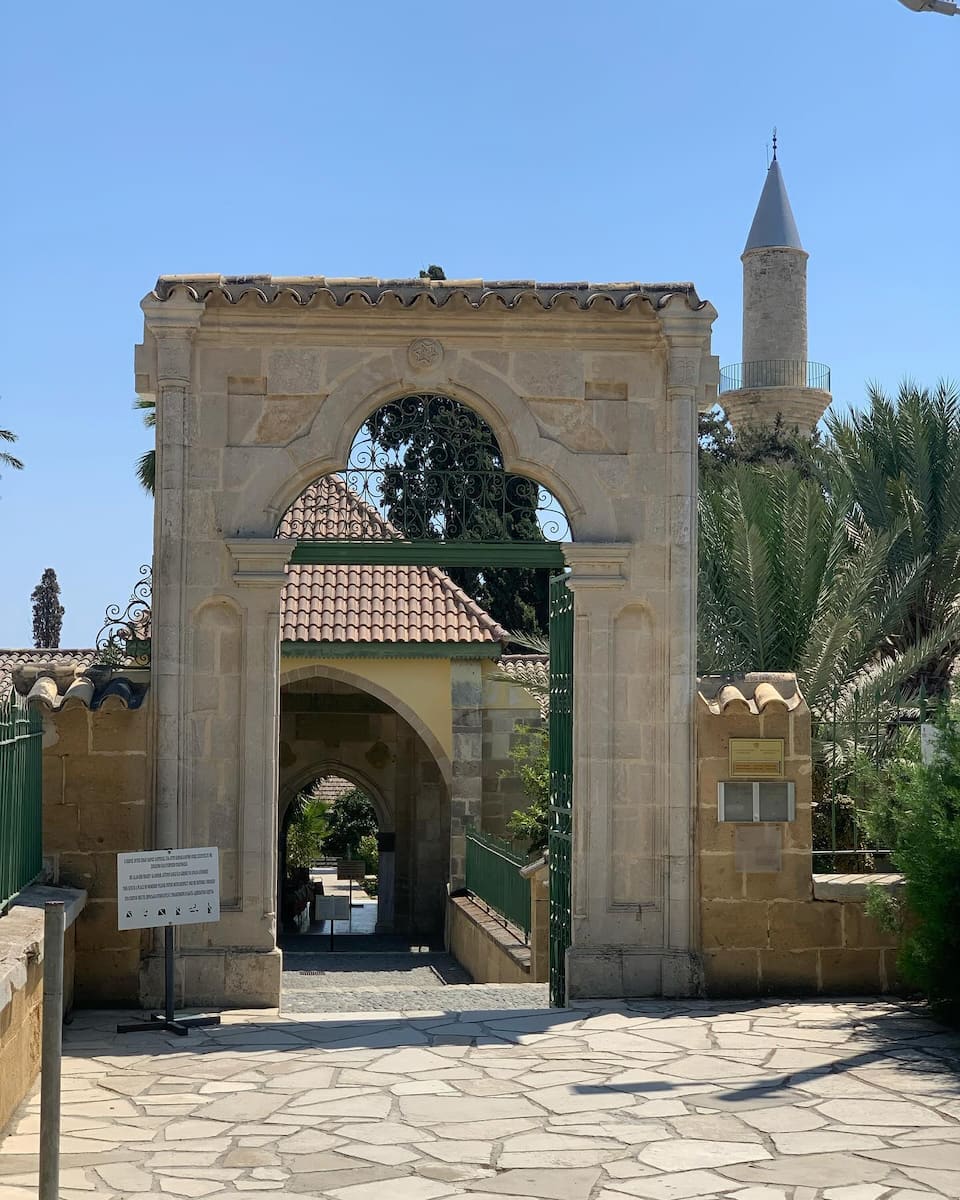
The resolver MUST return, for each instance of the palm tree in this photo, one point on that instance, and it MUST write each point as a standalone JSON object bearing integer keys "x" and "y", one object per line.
{"x": 147, "y": 463}
{"x": 6, "y": 459}
{"x": 901, "y": 462}
{"x": 793, "y": 578}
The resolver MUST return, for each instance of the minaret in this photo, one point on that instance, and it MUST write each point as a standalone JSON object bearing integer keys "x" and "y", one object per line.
{"x": 775, "y": 376}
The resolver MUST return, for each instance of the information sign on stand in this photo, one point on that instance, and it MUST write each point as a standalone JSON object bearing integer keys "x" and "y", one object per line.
{"x": 331, "y": 908}
{"x": 160, "y": 889}
{"x": 351, "y": 868}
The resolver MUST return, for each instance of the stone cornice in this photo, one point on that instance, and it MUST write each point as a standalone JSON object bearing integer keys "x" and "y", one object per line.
{"x": 596, "y": 564}
{"x": 259, "y": 562}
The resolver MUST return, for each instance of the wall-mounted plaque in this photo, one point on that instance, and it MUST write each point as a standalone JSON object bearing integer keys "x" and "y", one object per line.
{"x": 756, "y": 758}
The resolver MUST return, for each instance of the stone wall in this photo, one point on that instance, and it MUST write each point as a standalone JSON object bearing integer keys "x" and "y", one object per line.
{"x": 96, "y": 803}
{"x": 481, "y": 944}
{"x": 762, "y": 929}
{"x": 21, "y": 989}
{"x": 506, "y": 708}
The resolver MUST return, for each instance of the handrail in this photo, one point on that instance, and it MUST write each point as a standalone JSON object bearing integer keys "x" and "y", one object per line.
{"x": 493, "y": 876}
{"x": 775, "y": 372}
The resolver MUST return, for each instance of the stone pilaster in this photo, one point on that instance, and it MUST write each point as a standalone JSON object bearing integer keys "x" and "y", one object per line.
{"x": 173, "y": 326}
{"x": 466, "y": 787}
{"x": 259, "y": 576}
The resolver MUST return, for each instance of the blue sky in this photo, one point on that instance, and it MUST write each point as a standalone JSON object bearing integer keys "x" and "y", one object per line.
{"x": 532, "y": 139}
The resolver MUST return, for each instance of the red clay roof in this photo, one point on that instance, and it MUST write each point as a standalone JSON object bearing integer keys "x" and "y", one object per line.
{"x": 369, "y": 604}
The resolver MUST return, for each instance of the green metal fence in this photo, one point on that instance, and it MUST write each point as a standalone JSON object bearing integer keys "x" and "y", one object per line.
{"x": 21, "y": 796}
{"x": 493, "y": 877}
{"x": 856, "y": 744}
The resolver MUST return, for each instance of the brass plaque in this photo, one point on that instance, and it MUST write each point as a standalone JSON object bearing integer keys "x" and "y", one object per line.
{"x": 756, "y": 758}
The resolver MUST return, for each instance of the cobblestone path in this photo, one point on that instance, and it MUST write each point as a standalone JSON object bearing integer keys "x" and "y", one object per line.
{"x": 679, "y": 1100}
{"x": 393, "y": 982}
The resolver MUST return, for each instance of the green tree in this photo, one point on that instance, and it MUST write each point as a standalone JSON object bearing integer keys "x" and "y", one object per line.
{"x": 445, "y": 478}
{"x": 147, "y": 462}
{"x": 47, "y": 611}
{"x": 306, "y": 830}
{"x": 719, "y": 446}
{"x": 900, "y": 460}
{"x": 7, "y": 459}
{"x": 793, "y": 579}
{"x": 530, "y": 753}
{"x": 350, "y": 818}
{"x": 919, "y": 819}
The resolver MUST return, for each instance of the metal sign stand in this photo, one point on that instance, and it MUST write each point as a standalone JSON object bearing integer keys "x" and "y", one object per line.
{"x": 168, "y": 1020}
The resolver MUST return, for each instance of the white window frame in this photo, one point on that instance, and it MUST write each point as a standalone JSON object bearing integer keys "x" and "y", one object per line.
{"x": 791, "y": 802}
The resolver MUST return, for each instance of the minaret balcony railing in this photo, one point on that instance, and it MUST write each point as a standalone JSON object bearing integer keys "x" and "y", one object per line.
{"x": 775, "y": 372}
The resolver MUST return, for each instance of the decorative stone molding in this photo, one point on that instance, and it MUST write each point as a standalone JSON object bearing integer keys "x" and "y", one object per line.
{"x": 684, "y": 369}
{"x": 424, "y": 353}
{"x": 596, "y": 564}
{"x": 173, "y": 327}
{"x": 259, "y": 562}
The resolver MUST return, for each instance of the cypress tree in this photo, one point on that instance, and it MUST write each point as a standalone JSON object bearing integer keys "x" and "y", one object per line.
{"x": 47, "y": 611}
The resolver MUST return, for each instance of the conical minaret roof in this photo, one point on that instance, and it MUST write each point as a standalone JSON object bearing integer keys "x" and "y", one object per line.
{"x": 773, "y": 223}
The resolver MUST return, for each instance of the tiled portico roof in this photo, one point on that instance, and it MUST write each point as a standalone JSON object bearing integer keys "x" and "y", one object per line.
{"x": 475, "y": 293}
{"x": 369, "y": 604}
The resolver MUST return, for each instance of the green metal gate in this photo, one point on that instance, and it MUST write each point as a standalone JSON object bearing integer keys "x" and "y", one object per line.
{"x": 21, "y": 794}
{"x": 561, "y": 782}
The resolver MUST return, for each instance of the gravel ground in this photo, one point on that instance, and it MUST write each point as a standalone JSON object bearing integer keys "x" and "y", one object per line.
{"x": 391, "y": 982}
{"x": 456, "y": 998}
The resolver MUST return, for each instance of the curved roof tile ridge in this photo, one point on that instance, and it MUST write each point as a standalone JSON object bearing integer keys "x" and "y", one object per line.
{"x": 74, "y": 685}
{"x": 305, "y": 289}
{"x": 755, "y": 692}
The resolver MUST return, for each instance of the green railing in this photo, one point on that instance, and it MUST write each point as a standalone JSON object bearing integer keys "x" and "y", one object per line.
{"x": 493, "y": 877}
{"x": 856, "y": 745}
{"x": 21, "y": 796}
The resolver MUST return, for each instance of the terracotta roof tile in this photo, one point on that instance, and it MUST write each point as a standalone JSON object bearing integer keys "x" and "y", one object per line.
{"x": 10, "y": 660}
{"x": 753, "y": 693}
{"x": 369, "y": 604}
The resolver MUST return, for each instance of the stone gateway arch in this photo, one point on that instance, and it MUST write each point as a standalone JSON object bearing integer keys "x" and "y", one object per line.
{"x": 591, "y": 390}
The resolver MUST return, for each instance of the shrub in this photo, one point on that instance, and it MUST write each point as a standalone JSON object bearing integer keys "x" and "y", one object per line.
{"x": 305, "y": 832}
{"x": 531, "y": 765}
{"x": 368, "y": 851}
{"x": 921, "y": 818}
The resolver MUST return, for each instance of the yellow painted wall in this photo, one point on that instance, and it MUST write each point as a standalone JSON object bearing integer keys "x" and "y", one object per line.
{"x": 422, "y": 684}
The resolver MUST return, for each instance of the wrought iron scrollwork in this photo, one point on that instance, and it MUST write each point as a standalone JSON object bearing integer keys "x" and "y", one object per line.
{"x": 426, "y": 467}
{"x": 124, "y": 639}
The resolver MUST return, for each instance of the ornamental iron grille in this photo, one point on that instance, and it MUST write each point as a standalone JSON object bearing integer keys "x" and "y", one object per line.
{"x": 124, "y": 638}
{"x": 428, "y": 471}
{"x": 561, "y": 782}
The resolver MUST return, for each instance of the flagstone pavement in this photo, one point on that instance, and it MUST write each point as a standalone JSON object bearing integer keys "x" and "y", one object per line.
{"x": 773, "y": 1100}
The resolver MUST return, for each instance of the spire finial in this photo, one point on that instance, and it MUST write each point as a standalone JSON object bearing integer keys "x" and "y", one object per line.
{"x": 774, "y": 143}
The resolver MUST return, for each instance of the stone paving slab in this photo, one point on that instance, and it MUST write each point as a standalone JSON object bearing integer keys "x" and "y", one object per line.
{"x": 679, "y": 1100}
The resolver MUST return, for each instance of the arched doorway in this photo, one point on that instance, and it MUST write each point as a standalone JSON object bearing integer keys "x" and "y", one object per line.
{"x": 331, "y": 820}
{"x": 332, "y": 727}
{"x": 261, "y": 384}
{"x": 425, "y": 486}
